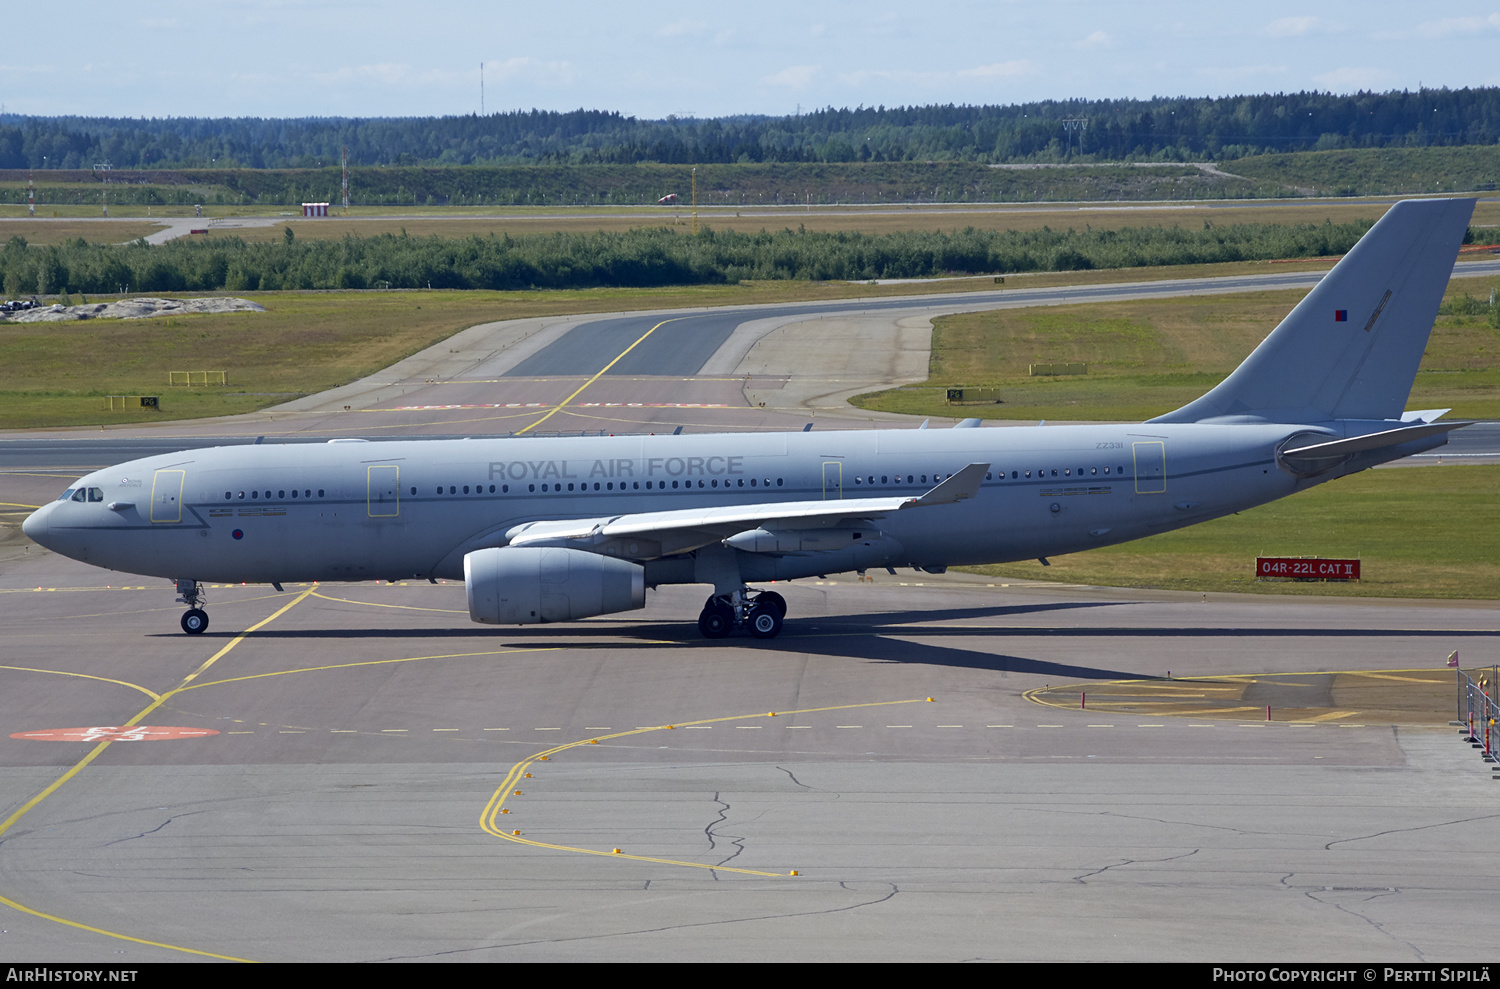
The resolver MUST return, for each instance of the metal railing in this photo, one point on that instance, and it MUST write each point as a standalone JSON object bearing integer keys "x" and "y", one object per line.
{"x": 1476, "y": 711}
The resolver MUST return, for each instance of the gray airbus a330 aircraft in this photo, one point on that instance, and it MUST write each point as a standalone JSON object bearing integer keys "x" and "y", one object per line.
{"x": 551, "y": 530}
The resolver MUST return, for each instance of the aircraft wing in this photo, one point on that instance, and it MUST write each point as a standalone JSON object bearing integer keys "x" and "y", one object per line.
{"x": 649, "y": 535}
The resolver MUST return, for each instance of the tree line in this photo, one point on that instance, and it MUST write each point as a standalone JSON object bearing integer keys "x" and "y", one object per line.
{"x": 1161, "y": 128}
{"x": 642, "y": 257}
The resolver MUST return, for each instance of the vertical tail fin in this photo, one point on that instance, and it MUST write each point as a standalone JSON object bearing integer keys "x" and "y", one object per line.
{"x": 1350, "y": 349}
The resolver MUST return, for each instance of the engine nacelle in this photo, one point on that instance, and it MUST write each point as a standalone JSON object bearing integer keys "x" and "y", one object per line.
{"x": 528, "y": 586}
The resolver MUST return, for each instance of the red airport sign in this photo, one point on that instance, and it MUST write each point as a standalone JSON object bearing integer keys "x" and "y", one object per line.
{"x": 1305, "y": 568}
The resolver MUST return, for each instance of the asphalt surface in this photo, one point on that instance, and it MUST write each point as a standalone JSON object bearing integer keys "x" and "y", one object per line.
{"x": 360, "y": 798}
{"x": 685, "y": 344}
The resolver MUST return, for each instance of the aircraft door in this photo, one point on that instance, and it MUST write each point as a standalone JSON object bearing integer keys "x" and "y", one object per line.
{"x": 166, "y": 495}
{"x": 833, "y": 479}
{"x": 383, "y": 494}
{"x": 1150, "y": 466}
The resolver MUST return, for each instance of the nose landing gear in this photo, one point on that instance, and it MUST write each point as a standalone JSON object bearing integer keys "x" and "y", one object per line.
{"x": 195, "y": 619}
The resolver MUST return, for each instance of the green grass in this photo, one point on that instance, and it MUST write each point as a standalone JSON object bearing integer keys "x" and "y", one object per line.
{"x": 57, "y": 374}
{"x": 1419, "y": 532}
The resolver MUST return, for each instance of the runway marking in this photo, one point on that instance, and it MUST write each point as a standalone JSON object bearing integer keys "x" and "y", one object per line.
{"x": 543, "y": 405}
{"x": 86, "y": 676}
{"x": 492, "y": 810}
{"x": 99, "y": 749}
{"x": 596, "y": 377}
{"x": 370, "y": 662}
{"x": 398, "y": 607}
{"x": 115, "y": 733}
{"x": 1305, "y": 723}
{"x": 123, "y": 937}
{"x": 1387, "y": 676}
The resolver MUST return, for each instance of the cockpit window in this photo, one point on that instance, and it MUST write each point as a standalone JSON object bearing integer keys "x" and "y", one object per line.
{"x": 66, "y": 495}
{"x": 96, "y": 494}
{"x": 80, "y": 494}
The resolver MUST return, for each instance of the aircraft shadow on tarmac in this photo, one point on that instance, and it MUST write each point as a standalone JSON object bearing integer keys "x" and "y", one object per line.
{"x": 880, "y": 637}
{"x": 873, "y": 637}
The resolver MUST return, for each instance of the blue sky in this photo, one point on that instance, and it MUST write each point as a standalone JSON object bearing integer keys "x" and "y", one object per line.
{"x": 292, "y": 58}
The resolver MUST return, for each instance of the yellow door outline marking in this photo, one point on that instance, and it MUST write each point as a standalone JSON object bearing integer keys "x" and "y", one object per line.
{"x": 374, "y": 487}
{"x": 837, "y": 477}
{"x": 596, "y": 377}
{"x": 1137, "y": 462}
{"x": 157, "y": 482}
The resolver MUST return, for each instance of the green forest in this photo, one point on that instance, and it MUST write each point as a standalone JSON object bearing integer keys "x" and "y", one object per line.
{"x": 1159, "y": 129}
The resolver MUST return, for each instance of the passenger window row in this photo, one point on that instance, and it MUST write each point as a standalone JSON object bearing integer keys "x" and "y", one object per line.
{"x": 579, "y": 487}
{"x": 1015, "y": 475}
{"x": 97, "y": 494}
{"x": 280, "y": 495}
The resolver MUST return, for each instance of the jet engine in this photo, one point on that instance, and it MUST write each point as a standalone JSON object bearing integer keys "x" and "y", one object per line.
{"x": 528, "y": 586}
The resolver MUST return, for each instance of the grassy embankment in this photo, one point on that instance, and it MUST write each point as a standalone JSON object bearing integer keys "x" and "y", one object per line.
{"x": 1365, "y": 172}
{"x": 57, "y": 374}
{"x": 1420, "y": 533}
{"x": 369, "y": 221}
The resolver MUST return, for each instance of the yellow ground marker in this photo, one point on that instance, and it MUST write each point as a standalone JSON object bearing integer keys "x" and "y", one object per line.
{"x": 558, "y": 408}
{"x": 496, "y": 807}
{"x": 98, "y": 750}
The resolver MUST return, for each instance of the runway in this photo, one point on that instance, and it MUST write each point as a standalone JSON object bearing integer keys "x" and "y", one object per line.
{"x": 366, "y": 794}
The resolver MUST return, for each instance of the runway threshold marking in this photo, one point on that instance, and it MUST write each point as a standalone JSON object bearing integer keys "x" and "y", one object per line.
{"x": 99, "y": 749}
{"x": 496, "y": 805}
{"x": 596, "y": 377}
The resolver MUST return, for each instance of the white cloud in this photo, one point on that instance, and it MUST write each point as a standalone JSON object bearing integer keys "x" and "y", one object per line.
{"x": 1098, "y": 39}
{"x": 681, "y": 29}
{"x": 1449, "y": 26}
{"x": 793, "y": 77}
{"x": 1019, "y": 67}
{"x": 1291, "y": 27}
{"x": 535, "y": 70}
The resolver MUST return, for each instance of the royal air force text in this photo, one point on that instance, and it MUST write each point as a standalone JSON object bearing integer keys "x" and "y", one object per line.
{"x": 543, "y": 470}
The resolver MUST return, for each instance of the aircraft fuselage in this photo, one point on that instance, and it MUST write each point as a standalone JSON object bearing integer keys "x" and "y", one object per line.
{"x": 385, "y": 510}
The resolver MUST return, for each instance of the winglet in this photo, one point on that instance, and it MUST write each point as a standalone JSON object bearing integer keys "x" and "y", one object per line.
{"x": 956, "y": 487}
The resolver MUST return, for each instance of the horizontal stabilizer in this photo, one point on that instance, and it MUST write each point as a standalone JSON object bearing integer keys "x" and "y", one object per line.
{"x": 1374, "y": 441}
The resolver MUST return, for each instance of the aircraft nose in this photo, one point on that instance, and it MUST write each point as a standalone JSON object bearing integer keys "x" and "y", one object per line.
{"x": 36, "y": 526}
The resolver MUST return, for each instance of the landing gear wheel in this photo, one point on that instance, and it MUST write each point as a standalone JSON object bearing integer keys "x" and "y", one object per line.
{"x": 773, "y": 599}
{"x": 716, "y": 621}
{"x": 764, "y": 621}
{"x": 195, "y": 621}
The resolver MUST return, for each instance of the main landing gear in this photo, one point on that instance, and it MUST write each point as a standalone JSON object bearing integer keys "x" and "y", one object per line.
{"x": 195, "y": 619}
{"x": 761, "y": 615}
